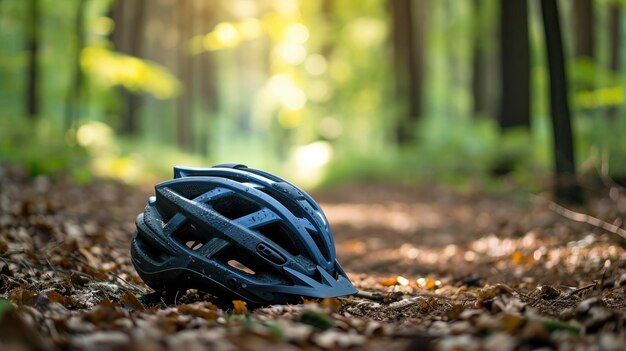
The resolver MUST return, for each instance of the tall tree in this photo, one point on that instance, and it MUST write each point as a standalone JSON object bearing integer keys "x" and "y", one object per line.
{"x": 409, "y": 19}
{"x": 584, "y": 28}
{"x": 32, "y": 73}
{"x": 479, "y": 80}
{"x": 207, "y": 74}
{"x": 515, "y": 62}
{"x": 615, "y": 40}
{"x": 128, "y": 37}
{"x": 74, "y": 91}
{"x": 185, "y": 70}
{"x": 566, "y": 187}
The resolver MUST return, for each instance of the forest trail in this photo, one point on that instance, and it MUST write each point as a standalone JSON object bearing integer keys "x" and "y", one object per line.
{"x": 437, "y": 269}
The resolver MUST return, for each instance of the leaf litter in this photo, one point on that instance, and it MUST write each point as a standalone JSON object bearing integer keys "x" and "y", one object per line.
{"x": 436, "y": 269}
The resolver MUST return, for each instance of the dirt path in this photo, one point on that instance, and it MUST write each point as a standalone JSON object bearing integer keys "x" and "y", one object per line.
{"x": 438, "y": 269}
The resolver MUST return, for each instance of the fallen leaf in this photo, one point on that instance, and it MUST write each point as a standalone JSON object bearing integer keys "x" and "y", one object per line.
{"x": 96, "y": 273}
{"x": 389, "y": 282}
{"x": 22, "y": 296}
{"x": 4, "y": 246}
{"x": 16, "y": 332}
{"x": 491, "y": 291}
{"x": 455, "y": 311}
{"x": 332, "y": 304}
{"x": 239, "y": 307}
{"x": 511, "y": 322}
{"x": 89, "y": 256}
{"x": 204, "y": 310}
{"x": 428, "y": 283}
{"x": 66, "y": 301}
{"x": 517, "y": 257}
{"x": 131, "y": 302}
{"x": 104, "y": 314}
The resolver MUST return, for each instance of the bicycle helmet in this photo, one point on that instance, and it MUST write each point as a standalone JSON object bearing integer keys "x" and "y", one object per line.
{"x": 236, "y": 232}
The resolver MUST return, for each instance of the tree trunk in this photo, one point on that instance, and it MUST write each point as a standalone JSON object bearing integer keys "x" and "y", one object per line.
{"x": 72, "y": 100}
{"x": 32, "y": 73}
{"x": 185, "y": 66}
{"x": 615, "y": 40}
{"x": 479, "y": 72}
{"x": 408, "y": 48}
{"x": 515, "y": 60}
{"x": 129, "y": 17}
{"x": 584, "y": 28}
{"x": 208, "y": 78}
{"x": 566, "y": 187}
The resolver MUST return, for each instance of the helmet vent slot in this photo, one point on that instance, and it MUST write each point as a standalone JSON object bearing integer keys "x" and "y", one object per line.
{"x": 278, "y": 234}
{"x": 233, "y": 207}
{"x": 191, "y": 237}
{"x": 194, "y": 245}
{"x": 240, "y": 266}
{"x": 319, "y": 241}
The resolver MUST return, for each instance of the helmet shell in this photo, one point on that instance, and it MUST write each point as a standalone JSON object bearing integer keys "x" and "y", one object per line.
{"x": 237, "y": 232}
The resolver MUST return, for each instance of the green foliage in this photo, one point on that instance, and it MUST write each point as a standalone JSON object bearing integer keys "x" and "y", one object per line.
{"x": 111, "y": 69}
{"x": 303, "y": 88}
{"x": 41, "y": 147}
{"x": 5, "y": 305}
{"x": 318, "y": 320}
{"x": 601, "y": 145}
{"x": 459, "y": 153}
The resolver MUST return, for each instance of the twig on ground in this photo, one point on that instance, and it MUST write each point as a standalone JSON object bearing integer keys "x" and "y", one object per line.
{"x": 436, "y": 296}
{"x": 14, "y": 252}
{"x": 585, "y": 218}
{"x": 576, "y": 291}
{"x": 374, "y": 296}
{"x": 130, "y": 285}
{"x": 525, "y": 296}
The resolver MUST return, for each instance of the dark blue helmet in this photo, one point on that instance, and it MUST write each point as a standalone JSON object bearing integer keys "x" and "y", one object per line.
{"x": 239, "y": 233}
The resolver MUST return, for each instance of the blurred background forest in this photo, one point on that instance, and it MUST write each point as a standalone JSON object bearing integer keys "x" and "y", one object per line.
{"x": 463, "y": 92}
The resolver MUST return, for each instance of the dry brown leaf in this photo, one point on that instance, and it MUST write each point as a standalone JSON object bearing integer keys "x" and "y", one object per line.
{"x": 66, "y": 301}
{"x": 389, "y": 282}
{"x": 131, "y": 302}
{"x": 32, "y": 256}
{"x": 511, "y": 322}
{"x": 428, "y": 283}
{"x": 204, "y": 310}
{"x": 491, "y": 291}
{"x": 332, "y": 304}
{"x": 516, "y": 258}
{"x": 4, "y": 246}
{"x": 519, "y": 258}
{"x": 105, "y": 314}
{"x": 308, "y": 301}
{"x": 239, "y": 307}
{"x": 22, "y": 296}
{"x": 89, "y": 257}
{"x": 16, "y": 334}
{"x": 455, "y": 311}
{"x": 96, "y": 273}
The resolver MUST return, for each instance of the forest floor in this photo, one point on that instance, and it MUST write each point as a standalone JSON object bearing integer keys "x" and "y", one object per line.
{"x": 437, "y": 269}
